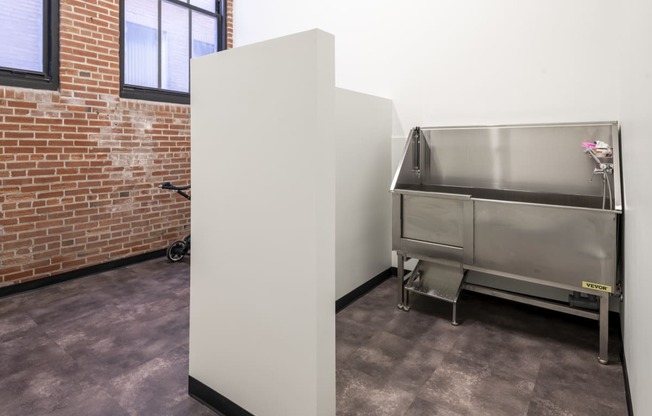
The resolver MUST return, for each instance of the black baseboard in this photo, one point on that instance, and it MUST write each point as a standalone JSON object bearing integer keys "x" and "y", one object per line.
{"x": 350, "y": 297}
{"x": 628, "y": 394}
{"x": 213, "y": 399}
{"x": 58, "y": 278}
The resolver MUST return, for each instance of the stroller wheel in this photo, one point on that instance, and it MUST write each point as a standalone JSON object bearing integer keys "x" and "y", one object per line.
{"x": 176, "y": 251}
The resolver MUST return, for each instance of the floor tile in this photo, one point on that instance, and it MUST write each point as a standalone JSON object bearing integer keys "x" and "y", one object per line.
{"x": 467, "y": 387}
{"x": 360, "y": 394}
{"x": 11, "y": 304}
{"x": 116, "y": 347}
{"x": 434, "y": 330}
{"x": 574, "y": 374}
{"x": 421, "y": 407}
{"x": 544, "y": 407}
{"x": 155, "y": 387}
{"x": 65, "y": 304}
{"x": 94, "y": 401}
{"x": 350, "y": 336}
{"x": 504, "y": 351}
{"x": 395, "y": 360}
{"x": 14, "y": 325}
{"x": 370, "y": 313}
{"x": 37, "y": 376}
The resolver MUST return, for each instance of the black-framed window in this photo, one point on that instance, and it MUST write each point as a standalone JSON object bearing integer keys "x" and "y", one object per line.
{"x": 29, "y": 44}
{"x": 158, "y": 39}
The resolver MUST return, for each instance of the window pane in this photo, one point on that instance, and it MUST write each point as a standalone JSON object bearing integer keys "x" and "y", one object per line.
{"x": 205, "y": 4}
{"x": 21, "y": 35}
{"x": 175, "y": 55}
{"x": 141, "y": 43}
{"x": 204, "y": 34}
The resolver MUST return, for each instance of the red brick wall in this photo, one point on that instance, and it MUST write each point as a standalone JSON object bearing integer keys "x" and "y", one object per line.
{"x": 79, "y": 166}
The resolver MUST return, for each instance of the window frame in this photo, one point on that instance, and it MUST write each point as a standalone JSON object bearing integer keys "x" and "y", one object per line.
{"x": 48, "y": 79}
{"x": 159, "y": 94}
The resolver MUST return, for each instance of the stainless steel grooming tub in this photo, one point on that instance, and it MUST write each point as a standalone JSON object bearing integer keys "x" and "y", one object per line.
{"x": 537, "y": 203}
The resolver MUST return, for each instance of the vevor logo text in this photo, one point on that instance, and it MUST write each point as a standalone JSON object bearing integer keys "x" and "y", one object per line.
{"x": 596, "y": 286}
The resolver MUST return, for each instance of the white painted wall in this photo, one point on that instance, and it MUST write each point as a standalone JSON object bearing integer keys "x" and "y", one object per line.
{"x": 504, "y": 61}
{"x": 636, "y": 129}
{"x": 262, "y": 292}
{"x": 462, "y": 62}
{"x": 363, "y": 204}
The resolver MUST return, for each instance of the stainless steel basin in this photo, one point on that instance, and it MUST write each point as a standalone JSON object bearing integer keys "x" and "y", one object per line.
{"x": 524, "y": 202}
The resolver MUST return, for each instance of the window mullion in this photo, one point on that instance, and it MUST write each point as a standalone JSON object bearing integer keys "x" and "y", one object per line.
{"x": 190, "y": 53}
{"x": 190, "y": 6}
{"x": 46, "y": 38}
{"x": 160, "y": 43}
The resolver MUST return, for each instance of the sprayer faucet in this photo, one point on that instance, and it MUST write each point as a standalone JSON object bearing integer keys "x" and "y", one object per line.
{"x": 603, "y": 168}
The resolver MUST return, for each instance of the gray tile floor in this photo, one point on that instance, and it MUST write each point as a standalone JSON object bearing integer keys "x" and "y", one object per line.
{"x": 116, "y": 343}
{"x": 503, "y": 359}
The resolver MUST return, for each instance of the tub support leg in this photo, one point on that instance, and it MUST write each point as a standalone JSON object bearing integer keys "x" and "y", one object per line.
{"x": 403, "y": 300}
{"x": 604, "y": 329}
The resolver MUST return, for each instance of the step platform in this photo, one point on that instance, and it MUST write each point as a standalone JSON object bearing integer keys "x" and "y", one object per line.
{"x": 439, "y": 281}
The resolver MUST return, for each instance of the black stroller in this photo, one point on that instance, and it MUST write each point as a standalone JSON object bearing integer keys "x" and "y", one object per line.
{"x": 177, "y": 250}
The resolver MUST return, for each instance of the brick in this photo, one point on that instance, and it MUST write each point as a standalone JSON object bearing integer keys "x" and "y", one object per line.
{"x": 19, "y": 119}
{"x": 18, "y": 276}
{"x": 24, "y": 242}
{"x": 47, "y": 270}
{"x": 15, "y": 229}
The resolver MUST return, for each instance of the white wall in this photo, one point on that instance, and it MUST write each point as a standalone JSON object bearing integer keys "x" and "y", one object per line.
{"x": 262, "y": 288}
{"x": 462, "y": 62}
{"x": 363, "y": 230}
{"x": 503, "y": 61}
{"x": 636, "y": 129}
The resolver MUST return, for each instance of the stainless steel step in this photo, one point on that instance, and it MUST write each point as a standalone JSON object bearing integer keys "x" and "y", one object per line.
{"x": 439, "y": 281}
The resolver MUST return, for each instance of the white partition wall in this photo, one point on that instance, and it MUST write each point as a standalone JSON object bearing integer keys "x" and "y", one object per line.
{"x": 636, "y": 107}
{"x": 363, "y": 208}
{"x": 262, "y": 319}
{"x": 290, "y": 183}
